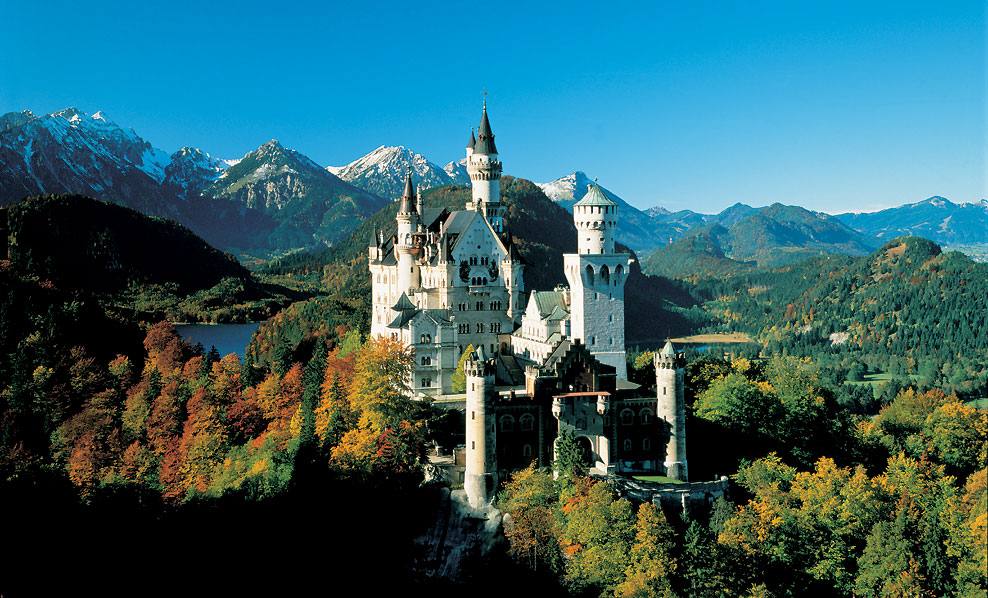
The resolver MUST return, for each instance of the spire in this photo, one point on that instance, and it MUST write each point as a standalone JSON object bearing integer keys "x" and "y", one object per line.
{"x": 485, "y": 136}
{"x": 408, "y": 197}
{"x": 473, "y": 140}
{"x": 668, "y": 350}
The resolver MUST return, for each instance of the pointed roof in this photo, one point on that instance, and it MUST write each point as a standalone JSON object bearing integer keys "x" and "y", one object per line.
{"x": 595, "y": 197}
{"x": 485, "y": 136}
{"x": 404, "y": 304}
{"x": 473, "y": 140}
{"x": 668, "y": 350}
{"x": 408, "y": 197}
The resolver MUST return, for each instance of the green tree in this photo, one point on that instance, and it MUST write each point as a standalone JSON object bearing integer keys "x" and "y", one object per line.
{"x": 652, "y": 565}
{"x": 459, "y": 378}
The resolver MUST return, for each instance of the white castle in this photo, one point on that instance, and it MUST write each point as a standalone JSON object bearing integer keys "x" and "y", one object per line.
{"x": 449, "y": 279}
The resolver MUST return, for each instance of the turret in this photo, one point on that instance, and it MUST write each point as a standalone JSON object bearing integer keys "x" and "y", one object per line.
{"x": 671, "y": 409}
{"x": 596, "y": 277}
{"x": 405, "y": 244}
{"x": 484, "y": 168}
{"x": 480, "y": 474}
{"x": 471, "y": 144}
{"x": 595, "y": 217}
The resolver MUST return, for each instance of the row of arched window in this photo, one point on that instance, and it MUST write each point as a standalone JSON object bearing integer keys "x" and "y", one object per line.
{"x": 605, "y": 274}
{"x": 628, "y": 445}
{"x": 425, "y": 338}
{"x": 526, "y": 423}
{"x": 628, "y": 416}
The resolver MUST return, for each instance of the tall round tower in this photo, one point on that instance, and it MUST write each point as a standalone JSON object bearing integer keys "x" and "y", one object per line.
{"x": 405, "y": 245}
{"x": 480, "y": 475}
{"x": 484, "y": 168}
{"x": 595, "y": 217}
{"x": 671, "y": 409}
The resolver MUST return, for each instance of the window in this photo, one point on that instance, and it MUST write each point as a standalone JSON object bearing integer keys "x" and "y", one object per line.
{"x": 526, "y": 450}
{"x": 581, "y": 423}
{"x": 480, "y": 327}
{"x": 605, "y": 274}
{"x": 646, "y": 415}
{"x": 589, "y": 273}
{"x": 426, "y": 382}
{"x": 507, "y": 423}
{"x": 663, "y": 391}
{"x": 627, "y": 444}
{"x": 527, "y": 422}
{"x": 627, "y": 417}
{"x": 646, "y": 444}
{"x": 480, "y": 306}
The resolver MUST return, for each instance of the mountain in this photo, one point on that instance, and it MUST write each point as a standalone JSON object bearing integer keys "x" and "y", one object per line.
{"x": 383, "y": 170}
{"x": 309, "y": 203}
{"x": 541, "y": 232}
{"x": 935, "y": 218}
{"x": 638, "y": 230}
{"x": 148, "y": 268}
{"x": 269, "y": 201}
{"x": 769, "y": 236}
{"x": 457, "y": 171}
{"x": 906, "y": 305}
{"x": 190, "y": 170}
{"x": 69, "y": 152}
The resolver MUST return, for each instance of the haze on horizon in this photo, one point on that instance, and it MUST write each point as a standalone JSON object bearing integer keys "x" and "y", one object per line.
{"x": 837, "y": 107}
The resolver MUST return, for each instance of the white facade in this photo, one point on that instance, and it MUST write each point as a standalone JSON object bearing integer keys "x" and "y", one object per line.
{"x": 456, "y": 268}
{"x": 596, "y": 276}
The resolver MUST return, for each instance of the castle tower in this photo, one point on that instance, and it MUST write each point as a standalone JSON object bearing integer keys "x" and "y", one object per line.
{"x": 484, "y": 168}
{"x": 596, "y": 276}
{"x": 480, "y": 474}
{"x": 671, "y": 409}
{"x": 405, "y": 245}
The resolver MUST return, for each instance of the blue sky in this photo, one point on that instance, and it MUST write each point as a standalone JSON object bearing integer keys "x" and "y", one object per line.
{"x": 832, "y": 105}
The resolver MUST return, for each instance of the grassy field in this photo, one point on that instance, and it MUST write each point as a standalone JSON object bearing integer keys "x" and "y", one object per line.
{"x": 714, "y": 338}
{"x": 873, "y": 379}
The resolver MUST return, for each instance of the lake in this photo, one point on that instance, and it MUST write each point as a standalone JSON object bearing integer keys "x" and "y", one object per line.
{"x": 227, "y": 338}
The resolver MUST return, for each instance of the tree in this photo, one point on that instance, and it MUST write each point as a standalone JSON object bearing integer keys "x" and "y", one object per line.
{"x": 380, "y": 384}
{"x": 529, "y": 501}
{"x": 652, "y": 565}
{"x": 596, "y": 535}
{"x": 459, "y": 378}
{"x": 568, "y": 462}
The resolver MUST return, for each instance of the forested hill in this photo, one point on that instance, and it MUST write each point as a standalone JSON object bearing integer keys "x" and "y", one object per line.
{"x": 772, "y": 236}
{"x": 150, "y": 265}
{"x": 908, "y": 306}
{"x": 542, "y": 233}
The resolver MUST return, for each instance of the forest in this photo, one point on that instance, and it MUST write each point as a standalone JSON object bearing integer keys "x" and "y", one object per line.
{"x": 126, "y": 451}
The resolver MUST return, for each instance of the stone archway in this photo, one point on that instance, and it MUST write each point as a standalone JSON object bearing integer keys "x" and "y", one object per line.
{"x": 586, "y": 450}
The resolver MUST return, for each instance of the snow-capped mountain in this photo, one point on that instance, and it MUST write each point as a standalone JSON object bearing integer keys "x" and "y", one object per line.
{"x": 271, "y": 199}
{"x": 935, "y": 218}
{"x": 190, "y": 170}
{"x": 457, "y": 171}
{"x": 309, "y": 203}
{"x": 70, "y": 152}
{"x": 383, "y": 170}
{"x": 636, "y": 229}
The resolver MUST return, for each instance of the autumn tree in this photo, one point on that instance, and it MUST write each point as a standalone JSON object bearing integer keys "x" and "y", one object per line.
{"x": 651, "y": 564}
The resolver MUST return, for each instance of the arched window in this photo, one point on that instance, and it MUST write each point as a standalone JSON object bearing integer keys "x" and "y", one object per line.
{"x": 646, "y": 444}
{"x": 627, "y": 444}
{"x": 426, "y": 360}
{"x": 507, "y": 423}
{"x": 605, "y": 274}
{"x": 618, "y": 273}
{"x": 527, "y": 422}
{"x": 627, "y": 417}
{"x": 589, "y": 275}
{"x": 646, "y": 415}
{"x": 526, "y": 450}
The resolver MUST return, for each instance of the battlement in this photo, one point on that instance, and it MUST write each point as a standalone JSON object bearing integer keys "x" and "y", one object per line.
{"x": 479, "y": 369}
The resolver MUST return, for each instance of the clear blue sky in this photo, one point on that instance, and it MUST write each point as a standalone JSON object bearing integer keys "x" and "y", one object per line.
{"x": 832, "y": 105}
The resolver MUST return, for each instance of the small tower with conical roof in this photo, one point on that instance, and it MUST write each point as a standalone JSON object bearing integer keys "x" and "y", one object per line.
{"x": 484, "y": 168}
{"x": 406, "y": 246}
{"x": 671, "y": 409}
{"x": 596, "y": 276}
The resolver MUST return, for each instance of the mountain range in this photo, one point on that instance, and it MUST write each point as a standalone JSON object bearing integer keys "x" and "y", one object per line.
{"x": 383, "y": 171}
{"x": 275, "y": 199}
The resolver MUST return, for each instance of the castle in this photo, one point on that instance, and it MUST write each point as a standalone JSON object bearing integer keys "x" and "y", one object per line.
{"x": 450, "y": 279}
